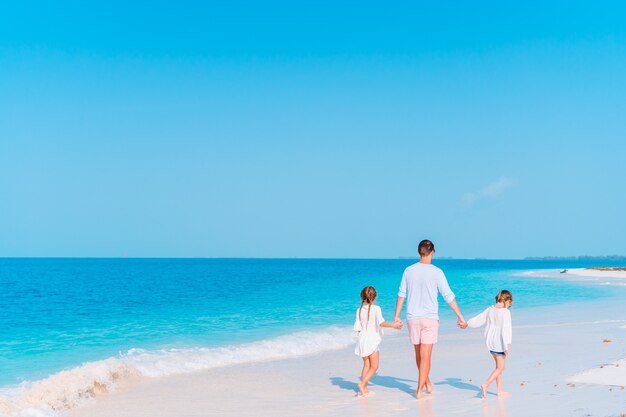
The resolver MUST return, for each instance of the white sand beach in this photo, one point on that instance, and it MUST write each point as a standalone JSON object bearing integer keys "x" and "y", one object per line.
{"x": 605, "y": 374}
{"x": 564, "y": 361}
{"x": 597, "y": 273}
{"x": 599, "y": 276}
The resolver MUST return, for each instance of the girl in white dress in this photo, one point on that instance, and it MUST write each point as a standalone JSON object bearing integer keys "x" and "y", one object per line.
{"x": 369, "y": 320}
{"x": 498, "y": 335}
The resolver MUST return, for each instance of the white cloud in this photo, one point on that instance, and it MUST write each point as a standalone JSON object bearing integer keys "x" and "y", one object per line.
{"x": 491, "y": 190}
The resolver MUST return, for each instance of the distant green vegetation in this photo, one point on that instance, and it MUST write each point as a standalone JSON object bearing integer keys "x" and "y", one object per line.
{"x": 608, "y": 268}
{"x": 577, "y": 258}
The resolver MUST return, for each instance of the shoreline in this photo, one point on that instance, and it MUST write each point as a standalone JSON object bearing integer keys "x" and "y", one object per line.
{"x": 559, "y": 359}
{"x": 130, "y": 389}
{"x": 545, "y": 375}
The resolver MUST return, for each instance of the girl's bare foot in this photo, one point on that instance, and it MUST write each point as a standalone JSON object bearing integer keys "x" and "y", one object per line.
{"x": 503, "y": 394}
{"x": 483, "y": 388}
{"x": 429, "y": 387}
{"x": 362, "y": 390}
{"x": 418, "y": 395}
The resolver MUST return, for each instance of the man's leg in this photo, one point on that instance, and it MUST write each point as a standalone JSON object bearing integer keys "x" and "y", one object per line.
{"x": 418, "y": 359}
{"x": 425, "y": 353}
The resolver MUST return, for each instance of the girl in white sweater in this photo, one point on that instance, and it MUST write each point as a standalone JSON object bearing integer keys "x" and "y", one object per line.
{"x": 368, "y": 326}
{"x": 498, "y": 335}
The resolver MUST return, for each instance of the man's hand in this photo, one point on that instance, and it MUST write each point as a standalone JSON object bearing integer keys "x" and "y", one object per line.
{"x": 461, "y": 323}
{"x": 397, "y": 324}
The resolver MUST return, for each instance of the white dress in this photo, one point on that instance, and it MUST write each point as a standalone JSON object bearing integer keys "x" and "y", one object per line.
{"x": 369, "y": 331}
{"x": 498, "y": 333}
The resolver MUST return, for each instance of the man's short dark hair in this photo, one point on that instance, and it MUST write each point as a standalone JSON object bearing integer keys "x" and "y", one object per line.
{"x": 425, "y": 247}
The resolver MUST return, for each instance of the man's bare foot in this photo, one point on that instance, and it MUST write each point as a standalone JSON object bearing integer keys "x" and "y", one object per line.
{"x": 362, "y": 390}
{"x": 483, "y": 388}
{"x": 429, "y": 387}
{"x": 503, "y": 394}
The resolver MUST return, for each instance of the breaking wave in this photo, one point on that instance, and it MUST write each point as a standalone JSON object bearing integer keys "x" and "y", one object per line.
{"x": 68, "y": 389}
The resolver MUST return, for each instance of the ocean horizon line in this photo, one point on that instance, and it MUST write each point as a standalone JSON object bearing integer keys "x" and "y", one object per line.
{"x": 447, "y": 258}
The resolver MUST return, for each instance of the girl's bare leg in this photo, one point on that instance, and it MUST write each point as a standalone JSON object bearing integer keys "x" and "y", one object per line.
{"x": 373, "y": 367}
{"x": 501, "y": 391}
{"x": 366, "y": 367}
{"x": 495, "y": 374}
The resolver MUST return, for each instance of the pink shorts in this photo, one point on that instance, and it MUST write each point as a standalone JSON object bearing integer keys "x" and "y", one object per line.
{"x": 423, "y": 331}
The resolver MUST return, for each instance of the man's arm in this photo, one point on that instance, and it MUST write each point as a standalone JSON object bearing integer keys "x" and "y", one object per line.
{"x": 402, "y": 291}
{"x": 448, "y": 295}
{"x": 460, "y": 320}
{"x": 399, "y": 304}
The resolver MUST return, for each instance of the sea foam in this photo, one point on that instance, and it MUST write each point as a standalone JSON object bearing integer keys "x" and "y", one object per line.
{"x": 71, "y": 388}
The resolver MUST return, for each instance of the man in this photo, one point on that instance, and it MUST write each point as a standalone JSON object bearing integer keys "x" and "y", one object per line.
{"x": 420, "y": 284}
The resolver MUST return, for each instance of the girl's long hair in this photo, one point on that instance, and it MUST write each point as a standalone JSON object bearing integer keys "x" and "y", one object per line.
{"x": 368, "y": 295}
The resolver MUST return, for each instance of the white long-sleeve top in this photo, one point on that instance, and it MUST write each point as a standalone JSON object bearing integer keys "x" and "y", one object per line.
{"x": 499, "y": 332}
{"x": 369, "y": 330}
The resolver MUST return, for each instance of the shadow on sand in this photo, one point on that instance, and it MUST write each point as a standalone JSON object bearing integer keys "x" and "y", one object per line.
{"x": 344, "y": 383}
{"x": 459, "y": 384}
{"x": 378, "y": 380}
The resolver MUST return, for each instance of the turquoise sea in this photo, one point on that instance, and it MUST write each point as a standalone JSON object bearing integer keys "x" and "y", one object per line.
{"x": 164, "y": 316}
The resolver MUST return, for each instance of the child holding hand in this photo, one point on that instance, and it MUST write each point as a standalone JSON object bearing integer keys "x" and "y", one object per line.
{"x": 498, "y": 335}
{"x": 368, "y": 325}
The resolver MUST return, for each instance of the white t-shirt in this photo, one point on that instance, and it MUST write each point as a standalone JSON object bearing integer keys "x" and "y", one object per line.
{"x": 420, "y": 285}
{"x": 499, "y": 332}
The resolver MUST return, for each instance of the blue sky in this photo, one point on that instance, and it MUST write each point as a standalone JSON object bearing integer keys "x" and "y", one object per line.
{"x": 279, "y": 129}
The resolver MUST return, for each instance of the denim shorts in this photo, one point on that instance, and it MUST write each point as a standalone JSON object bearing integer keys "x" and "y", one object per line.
{"x": 497, "y": 353}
